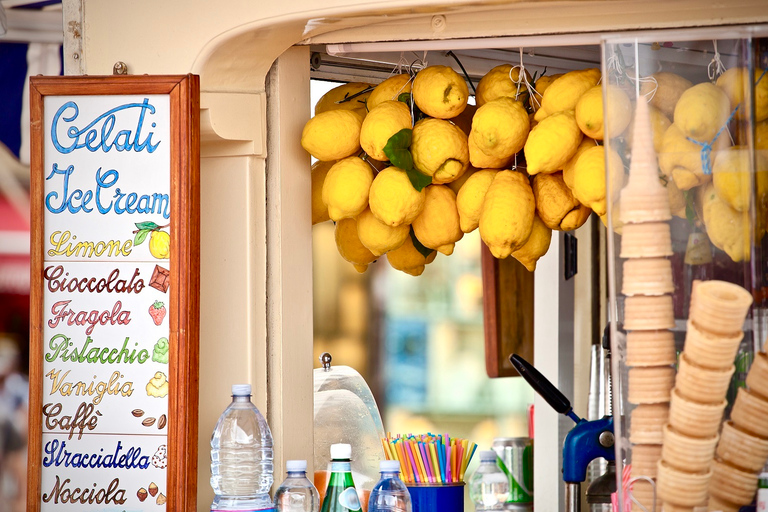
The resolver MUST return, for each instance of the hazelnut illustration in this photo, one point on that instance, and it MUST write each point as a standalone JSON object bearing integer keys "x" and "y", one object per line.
{"x": 142, "y": 494}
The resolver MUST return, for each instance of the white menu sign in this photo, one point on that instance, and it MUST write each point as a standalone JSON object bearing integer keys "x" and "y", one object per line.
{"x": 105, "y": 302}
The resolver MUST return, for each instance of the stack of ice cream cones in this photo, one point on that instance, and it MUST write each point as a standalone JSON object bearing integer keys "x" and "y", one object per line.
{"x": 647, "y": 284}
{"x": 743, "y": 448}
{"x": 688, "y": 469}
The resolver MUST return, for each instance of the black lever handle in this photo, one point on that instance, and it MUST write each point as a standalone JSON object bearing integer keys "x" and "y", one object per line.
{"x": 543, "y": 387}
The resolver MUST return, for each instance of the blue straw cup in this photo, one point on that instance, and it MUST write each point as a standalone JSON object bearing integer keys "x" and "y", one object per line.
{"x": 437, "y": 498}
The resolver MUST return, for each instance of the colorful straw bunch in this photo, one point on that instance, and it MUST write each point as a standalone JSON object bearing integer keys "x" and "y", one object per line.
{"x": 428, "y": 458}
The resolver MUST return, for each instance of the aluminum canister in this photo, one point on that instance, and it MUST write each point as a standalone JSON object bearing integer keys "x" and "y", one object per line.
{"x": 516, "y": 454}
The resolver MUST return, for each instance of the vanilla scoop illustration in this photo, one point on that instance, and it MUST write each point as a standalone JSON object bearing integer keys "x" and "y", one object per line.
{"x": 158, "y": 385}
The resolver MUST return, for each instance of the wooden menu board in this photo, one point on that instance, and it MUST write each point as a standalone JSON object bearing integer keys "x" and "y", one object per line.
{"x": 115, "y": 293}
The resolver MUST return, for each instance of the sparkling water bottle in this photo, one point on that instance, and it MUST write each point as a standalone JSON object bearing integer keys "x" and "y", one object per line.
{"x": 241, "y": 456}
{"x": 296, "y": 493}
{"x": 489, "y": 485}
{"x": 341, "y": 495}
{"x": 390, "y": 493}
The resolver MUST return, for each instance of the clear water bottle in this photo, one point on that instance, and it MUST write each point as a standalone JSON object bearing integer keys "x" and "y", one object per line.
{"x": 241, "y": 456}
{"x": 390, "y": 493}
{"x": 489, "y": 485}
{"x": 296, "y": 493}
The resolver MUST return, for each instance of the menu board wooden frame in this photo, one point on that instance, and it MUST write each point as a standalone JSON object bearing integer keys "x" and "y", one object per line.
{"x": 183, "y": 92}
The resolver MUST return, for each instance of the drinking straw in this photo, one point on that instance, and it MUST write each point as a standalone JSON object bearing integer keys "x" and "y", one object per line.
{"x": 435, "y": 463}
{"x": 387, "y": 451}
{"x": 422, "y": 475}
{"x": 448, "y": 463}
{"x": 425, "y": 459}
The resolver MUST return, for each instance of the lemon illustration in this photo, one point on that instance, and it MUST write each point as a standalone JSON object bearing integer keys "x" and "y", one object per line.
{"x": 555, "y": 204}
{"x": 589, "y": 184}
{"x": 382, "y": 122}
{"x": 507, "y": 215}
{"x": 440, "y": 92}
{"x": 377, "y": 236}
{"x": 589, "y": 112}
{"x": 408, "y": 259}
{"x": 552, "y": 142}
{"x": 319, "y": 172}
{"x": 437, "y": 227}
{"x": 732, "y": 177}
{"x": 332, "y": 135}
{"x": 335, "y": 98}
{"x": 565, "y": 91}
{"x": 389, "y": 90}
{"x": 500, "y": 127}
{"x": 665, "y": 89}
{"x": 160, "y": 244}
{"x": 350, "y": 247}
{"x": 392, "y": 198}
{"x": 498, "y": 82}
{"x": 702, "y": 111}
{"x": 439, "y": 149}
{"x": 469, "y": 200}
{"x": 346, "y": 187}
{"x": 536, "y": 246}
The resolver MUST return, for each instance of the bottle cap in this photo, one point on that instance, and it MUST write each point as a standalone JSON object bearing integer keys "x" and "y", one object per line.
{"x": 341, "y": 451}
{"x": 389, "y": 466}
{"x": 241, "y": 390}
{"x": 487, "y": 455}
{"x": 296, "y": 465}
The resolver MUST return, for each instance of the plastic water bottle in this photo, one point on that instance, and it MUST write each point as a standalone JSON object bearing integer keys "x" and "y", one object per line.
{"x": 390, "y": 493}
{"x": 241, "y": 456}
{"x": 296, "y": 493}
{"x": 489, "y": 485}
{"x": 341, "y": 495}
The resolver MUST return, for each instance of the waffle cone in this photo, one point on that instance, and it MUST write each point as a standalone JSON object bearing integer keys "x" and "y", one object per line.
{"x": 690, "y": 454}
{"x": 731, "y": 484}
{"x": 650, "y": 385}
{"x": 702, "y": 384}
{"x": 695, "y": 419}
{"x": 646, "y": 424}
{"x": 643, "y": 492}
{"x": 719, "y": 307}
{"x": 750, "y": 413}
{"x": 644, "y": 460}
{"x": 742, "y": 449}
{"x": 646, "y": 240}
{"x": 757, "y": 378}
{"x": 711, "y": 350}
{"x": 648, "y": 313}
{"x": 717, "y": 505}
{"x": 681, "y": 487}
{"x": 647, "y": 276}
{"x": 651, "y": 348}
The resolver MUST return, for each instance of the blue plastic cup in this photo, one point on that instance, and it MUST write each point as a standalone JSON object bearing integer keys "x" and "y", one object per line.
{"x": 437, "y": 498}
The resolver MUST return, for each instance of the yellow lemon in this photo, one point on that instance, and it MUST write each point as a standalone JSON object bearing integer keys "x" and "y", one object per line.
{"x": 659, "y": 125}
{"x": 500, "y": 127}
{"x": 502, "y": 81}
{"x": 469, "y": 200}
{"x": 408, "y": 259}
{"x": 346, "y": 186}
{"x": 507, "y": 215}
{"x": 350, "y": 247}
{"x": 392, "y": 198}
{"x": 665, "y": 89}
{"x": 440, "y": 92}
{"x": 732, "y": 177}
{"x": 589, "y": 112}
{"x": 389, "y": 90}
{"x": 332, "y": 135}
{"x": 728, "y": 230}
{"x": 702, "y": 111}
{"x": 555, "y": 204}
{"x": 677, "y": 200}
{"x": 456, "y": 184}
{"x": 552, "y": 142}
{"x": 536, "y": 246}
{"x": 437, "y": 227}
{"x": 589, "y": 186}
{"x": 377, "y": 236}
{"x": 439, "y": 149}
{"x": 586, "y": 143}
{"x": 341, "y": 98}
{"x": 319, "y": 172}
{"x": 464, "y": 120}
{"x": 541, "y": 85}
{"x": 160, "y": 245}
{"x": 382, "y": 122}
{"x": 565, "y": 91}
{"x": 480, "y": 160}
{"x": 680, "y": 158}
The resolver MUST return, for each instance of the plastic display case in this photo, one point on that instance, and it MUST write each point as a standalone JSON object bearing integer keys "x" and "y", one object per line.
{"x": 686, "y": 144}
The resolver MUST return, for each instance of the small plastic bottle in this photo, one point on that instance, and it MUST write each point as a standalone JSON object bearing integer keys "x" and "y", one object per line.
{"x": 296, "y": 493}
{"x": 341, "y": 495}
{"x": 489, "y": 485}
{"x": 390, "y": 493}
{"x": 241, "y": 456}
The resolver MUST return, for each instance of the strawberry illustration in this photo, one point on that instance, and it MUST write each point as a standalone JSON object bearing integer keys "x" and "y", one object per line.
{"x": 157, "y": 312}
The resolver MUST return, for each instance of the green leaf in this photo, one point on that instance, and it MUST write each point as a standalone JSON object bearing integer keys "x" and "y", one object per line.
{"x": 418, "y": 180}
{"x": 690, "y": 211}
{"x": 397, "y": 151}
{"x": 424, "y": 251}
{"x": 405, "y": 97}
{"x": 146, "y": 225}
{"x": 141, "y": 236}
